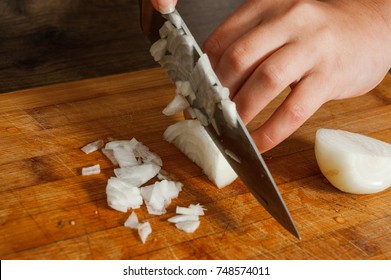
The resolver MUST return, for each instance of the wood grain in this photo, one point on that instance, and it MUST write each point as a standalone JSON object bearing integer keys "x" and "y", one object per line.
{"x": 49, "y": 211}
{"x": 47, "y": 42}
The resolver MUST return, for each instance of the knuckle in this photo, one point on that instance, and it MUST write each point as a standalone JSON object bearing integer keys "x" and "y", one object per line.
{"x": 212, "y": 46}
{"x": 237, "y": 57}
{"x": 295, "y": 113}
{"x": 272, "y": 76}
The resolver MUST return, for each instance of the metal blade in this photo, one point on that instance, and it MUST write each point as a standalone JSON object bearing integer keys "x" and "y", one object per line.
{"x": 247, "y": 161}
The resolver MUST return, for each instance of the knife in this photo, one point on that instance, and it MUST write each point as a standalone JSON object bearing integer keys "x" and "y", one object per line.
{"x": 234, "y": 141}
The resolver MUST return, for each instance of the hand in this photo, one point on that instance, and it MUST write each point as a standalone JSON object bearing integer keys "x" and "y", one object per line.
{"x": 164, "y": 6}
{"x": 323, "y": 50}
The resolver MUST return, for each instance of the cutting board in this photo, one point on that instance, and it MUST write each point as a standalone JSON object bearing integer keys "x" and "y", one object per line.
{"x": 48, "y": 210}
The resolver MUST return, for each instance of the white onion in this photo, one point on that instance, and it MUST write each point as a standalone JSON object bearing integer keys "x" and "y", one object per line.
{"x": 191, "y": 138}
{"x": 144, "y": 230}
{"x": 139, "y": 174}
{"x": 132, "y": 221}
{"x": 158, "y": 49}
{"x": 193, "y": 209}
{"x": 352, "y": 162}
{"x": 188, "y": 226}
{"x": 166, "y": 29}
{"x": 159, "y": 195}
{"x": 183, "y": 218}
{"x": 177, "y": 105}
{"x": 92, "y": 147}
{"x": 122, "y": 195}
{"x": 90, "y": 170}
{"x": 229, "y": 112}
{"x": 110, "y": 155}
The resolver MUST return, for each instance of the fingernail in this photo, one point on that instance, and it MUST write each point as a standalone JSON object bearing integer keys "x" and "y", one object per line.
{"x": 168, "y": 9}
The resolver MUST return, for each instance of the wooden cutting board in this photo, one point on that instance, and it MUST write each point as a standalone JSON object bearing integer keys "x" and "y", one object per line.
{"x": 49, "y": 211}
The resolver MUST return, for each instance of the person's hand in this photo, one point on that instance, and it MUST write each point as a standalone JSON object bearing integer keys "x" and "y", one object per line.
{"x": 164, "y": 6}
{"x": 323, "y": 50}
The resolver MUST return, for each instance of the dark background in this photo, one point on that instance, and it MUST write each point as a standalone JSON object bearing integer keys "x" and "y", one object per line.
{"x": 50, "y": 41}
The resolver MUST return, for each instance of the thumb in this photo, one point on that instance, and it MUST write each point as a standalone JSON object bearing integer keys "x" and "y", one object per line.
{"x": 164, "y": 6}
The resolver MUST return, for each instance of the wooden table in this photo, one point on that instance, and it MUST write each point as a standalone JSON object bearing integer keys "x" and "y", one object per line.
{"x": 49, "y": 211}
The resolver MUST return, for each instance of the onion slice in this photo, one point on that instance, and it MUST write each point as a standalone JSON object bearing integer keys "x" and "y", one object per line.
{"x": 90, "y": 170}
{"x": 188, "y": 226}
{"x": 92, "y": 147}
{"x": 191, "y": 138}
{"x": 352, "y": 162}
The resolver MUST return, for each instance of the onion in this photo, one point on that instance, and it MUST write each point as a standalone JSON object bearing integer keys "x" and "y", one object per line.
{"x": 352, "y": 162}
{"x": 90, "y": 170}
{"x": 229, "y": 112}
{"x": 188, "y": 226}
{"x": 193, "y": 209}
{"x": 191, "y": 138}
{"x": 122, "y": 195}
{"x": 183, "y": 218}
{"x": 132, "y": 221}
{"x": 92, "y": 147}
{"x": 159, "y": 195}
{"x": 144, "y": 230}
{"x": 166, "y": 29}
{"x": 138, "y": 174}
{"x": 177, "y": 105}
{"x": 158, "y": 49}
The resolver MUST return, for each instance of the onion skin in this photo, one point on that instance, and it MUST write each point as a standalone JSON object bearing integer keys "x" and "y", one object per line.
{"x": 352, "y": 162}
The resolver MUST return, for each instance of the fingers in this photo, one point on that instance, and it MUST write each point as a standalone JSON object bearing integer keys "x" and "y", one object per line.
{"x": 164, "y": 6}
{"x": 245, "y": 18}
{"x": 283, "y": 68}
{"x": 301, "y": 104}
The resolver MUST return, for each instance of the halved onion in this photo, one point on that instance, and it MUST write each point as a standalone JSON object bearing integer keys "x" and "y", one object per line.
{"x": 193, "y": 140}
{"x": 352, "y": 162}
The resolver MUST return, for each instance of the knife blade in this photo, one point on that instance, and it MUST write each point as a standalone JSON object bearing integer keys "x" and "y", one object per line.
{"x": 234, "y": 141}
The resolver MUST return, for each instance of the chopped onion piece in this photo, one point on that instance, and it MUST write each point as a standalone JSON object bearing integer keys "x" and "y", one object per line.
{"x": 110, "y": 155}
{"x": 188, "y": 226}
{"x": 201, "y": 117}
{"x": 159, "y": 195}
{"x": 191, "y": 210}
{"x": 183, "y": 218}
{"x": 177, "y": 105}
{"x": 159, "y": 49}
{"x": 90, "y": 170}
{"x": 352, "y": 162}
{"x": 122, "y": 195}
{"x": 132, "y": 221}
{"x": 92, "y": 147}
{"x": 190, "y": 137}
{"x": 124, "y": 156}
{"x": 144, "y": 230}
{"x": 138, "y": 174}
{"x": 175, "y": 19}
{"x": 229, "y": 112}
{"x": 146, "y": 155}
{"x": 166, "y": 29}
